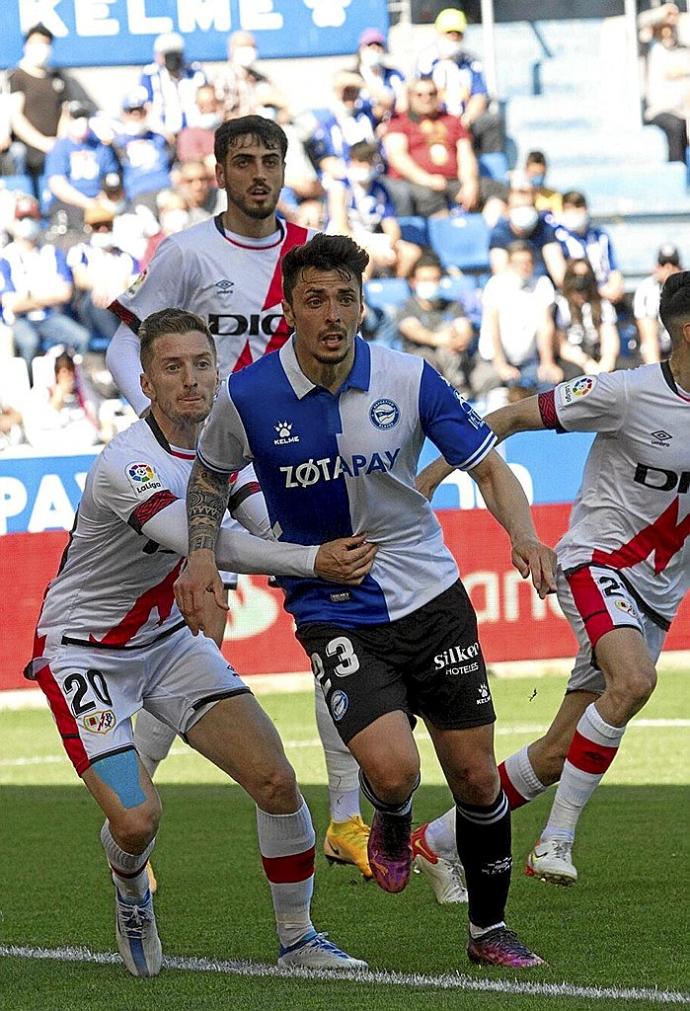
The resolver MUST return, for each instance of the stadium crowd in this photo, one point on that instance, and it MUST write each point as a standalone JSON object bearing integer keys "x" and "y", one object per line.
{"x": 404, "y": 164}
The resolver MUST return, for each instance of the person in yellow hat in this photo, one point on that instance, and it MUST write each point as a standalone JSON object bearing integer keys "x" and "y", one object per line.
{"x": 459, "y": 77}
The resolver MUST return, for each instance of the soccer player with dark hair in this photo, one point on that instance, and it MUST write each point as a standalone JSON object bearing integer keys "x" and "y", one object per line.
{"x": 111, "y": 641}
{"x": 227, "y": 270}
{"x": 387, "y": 650}
{"x": 624, "y": 568}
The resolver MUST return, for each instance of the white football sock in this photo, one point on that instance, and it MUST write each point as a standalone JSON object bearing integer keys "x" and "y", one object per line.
{"x": 128, "y": 869}
{"x": 518, "y": 778}
{"x": 287, "y": 842}
{"x": 342, "y": 769}
{"x": 440, "y": 835}
{"x": 152, "y": 739}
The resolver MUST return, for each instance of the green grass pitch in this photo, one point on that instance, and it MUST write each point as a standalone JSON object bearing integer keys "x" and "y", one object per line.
{"x": 624, "y": 925}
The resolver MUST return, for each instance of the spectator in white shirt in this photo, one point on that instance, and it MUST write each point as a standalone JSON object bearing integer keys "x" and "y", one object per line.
{"x": 655, "y": 343}
{"x": 517, "y": 331}
{"x": 63, "y": 415}
{"x": 586, "y": 328}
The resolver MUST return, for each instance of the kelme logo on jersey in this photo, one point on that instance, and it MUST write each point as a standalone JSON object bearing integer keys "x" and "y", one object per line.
{"x": 578, "y": 388}
{"x": 384, "y": 413}
{"x": 304, "y": 475}
{"x": 143, "y": 478}
{"x": 339, "y": 705}
{"x": 285, "y": 436}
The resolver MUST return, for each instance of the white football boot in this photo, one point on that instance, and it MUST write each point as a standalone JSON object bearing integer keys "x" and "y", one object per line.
{"x": 551, "y": 860}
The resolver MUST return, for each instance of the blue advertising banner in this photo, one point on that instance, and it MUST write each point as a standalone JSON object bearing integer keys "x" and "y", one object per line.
{"x": 101, "y": 33}
{"x": 40, "y": 493}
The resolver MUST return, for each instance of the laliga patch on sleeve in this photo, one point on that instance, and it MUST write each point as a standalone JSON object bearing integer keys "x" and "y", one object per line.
{"x": 143, "y": 478}
{"x": 577, "y": 389}
{"x": 137, "y": 283}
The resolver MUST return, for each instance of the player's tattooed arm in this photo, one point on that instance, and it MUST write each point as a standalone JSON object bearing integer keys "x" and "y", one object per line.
{"x": 207, "y": 500}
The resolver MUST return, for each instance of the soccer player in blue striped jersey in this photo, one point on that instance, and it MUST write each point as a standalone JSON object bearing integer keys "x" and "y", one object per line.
{"x": 334, "y": 428}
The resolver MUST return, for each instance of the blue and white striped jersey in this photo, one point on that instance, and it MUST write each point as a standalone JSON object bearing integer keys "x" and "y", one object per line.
{"x": 333, "y": 465}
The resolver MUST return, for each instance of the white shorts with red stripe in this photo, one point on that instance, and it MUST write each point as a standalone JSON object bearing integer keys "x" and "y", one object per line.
{"x": 94, "y": 693}
{"x": 595, "y": 600}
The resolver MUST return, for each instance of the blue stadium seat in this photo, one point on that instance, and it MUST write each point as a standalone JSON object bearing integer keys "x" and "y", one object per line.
{"x": 494, "y": 164}
{"x": 22, "y": 183}
{"x": 461, "y": 242}
{"x": 415, "y": 229}
{"x": 386, "y": 293}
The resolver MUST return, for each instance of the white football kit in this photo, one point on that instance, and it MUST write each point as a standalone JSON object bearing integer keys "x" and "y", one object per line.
{"x": 110, "y": 637}
{"x": 625, "y": 558}
{"x": 233, "y": 282}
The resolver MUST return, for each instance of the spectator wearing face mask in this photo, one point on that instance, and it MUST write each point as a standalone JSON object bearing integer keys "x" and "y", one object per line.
{"x": 173, "y": 215}
{"x": 63, "y": 415}
{"x": 385, "y": 85}
{"x": 241, "y": 87}
{"x": 581, "y": 240}
{"x": 350, "y": 121}
{"x": 171, "y": 85}
{"x": 36, "y": 286}
{"x": 655, "y": 342}
{"x": 359, "y": 206}
{"x": 101, "y": 270}
{"x": 523, "y": 222}
{"x": 132, "y": 226}
{"x": 145, "y": 156}
{"x": 545, "y": 199}
{"x": 76, "y": 167}
{"x": 38, "y": 93}
{"x": 195, "y": 142}
{"x": 586, "y": 332}
{"x": 460, "y": 79}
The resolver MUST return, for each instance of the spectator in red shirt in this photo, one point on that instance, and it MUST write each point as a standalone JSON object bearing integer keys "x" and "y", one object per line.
{"x": 432, "y": 165}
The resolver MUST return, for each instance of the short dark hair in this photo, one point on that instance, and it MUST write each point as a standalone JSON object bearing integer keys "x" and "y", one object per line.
{"x": 674, "y": 305}
{"x": 428, "y": 258}
{"x": 169, "y": 321}
{"x": 323, "y": 252}
{"x": 520, "y": 246}
{"x": 257, "y": 127}
{"x": 574, "y": 198}
{"x": 535, "y": 158}
{"x": 364, "y": 150}
{"x": 39, "y": 29}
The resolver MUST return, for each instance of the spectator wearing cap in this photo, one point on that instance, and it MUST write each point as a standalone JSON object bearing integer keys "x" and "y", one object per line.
{"x": 38, "y": 93}
{"x": 171, "y": 85}
{"x": 76, "y": 167}
{"x": 524, "y": 223}
{"x": 350, "y": 120}
{"x": 36, "y": 287}
{"x": 582, "y": 240}
{"x": 655, "y": 342}
{"x": 196, "y": 141}
{"x": 242, "y": 88}
{"x": 145, "y": 156}
{"x": 385, "y": 85}
{"x": 460, "y": 79}
{"x": 101, "y": 270}
{"x": 431, "y": 164}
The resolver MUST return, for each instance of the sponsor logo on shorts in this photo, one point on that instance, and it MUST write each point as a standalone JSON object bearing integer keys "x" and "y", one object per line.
{"x": 458, "y": 660}
{"x": 100, "y": 722}
{"x": 285, "y": 436}
{"x": 483, "y": 694}
{"x": 143, "y": 478}
{"x": 384, "y": 413}
{"x": 578, "y": 388}
{"x": 626, "y": 607}
{"x": 340, "y": 703}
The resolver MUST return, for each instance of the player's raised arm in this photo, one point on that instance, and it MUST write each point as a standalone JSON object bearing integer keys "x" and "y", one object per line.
{"x": 507, "y": 503}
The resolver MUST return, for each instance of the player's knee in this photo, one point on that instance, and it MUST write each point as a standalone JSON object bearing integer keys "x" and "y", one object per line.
{"x": 135, "y": 827}
{"x": 394, "y": 782}
{"x": 276, "y": 792}
{"x": 633, "y": 687}
{"x": 480, "y": 784}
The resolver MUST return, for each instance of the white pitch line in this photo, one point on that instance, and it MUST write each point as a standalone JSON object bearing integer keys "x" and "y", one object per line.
{"x": 446, "y": 981}
{"x": 314, "y": 742}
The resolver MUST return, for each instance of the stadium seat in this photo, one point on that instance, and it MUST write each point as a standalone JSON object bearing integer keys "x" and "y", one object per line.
{"x": 494, "y": 165}
{"x": 386, "y": 293}
{"x": 20, "y": 182}
{"x": 415, "y": 229}
{"x": 461, "y": 242}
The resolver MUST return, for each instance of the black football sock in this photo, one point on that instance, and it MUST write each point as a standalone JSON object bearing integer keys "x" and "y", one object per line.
{"x": 483, "y": 840}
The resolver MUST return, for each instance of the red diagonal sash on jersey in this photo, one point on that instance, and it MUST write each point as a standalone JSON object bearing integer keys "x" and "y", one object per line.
{"x": 160, "y": 597}
{"x": 295, "y": 235}
{"x": 665, "y": 536}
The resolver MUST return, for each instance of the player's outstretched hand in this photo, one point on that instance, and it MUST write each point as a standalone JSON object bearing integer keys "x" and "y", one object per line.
{"x": 531, "y": 557}
{"x": 347, "y": 560}
{"x": 199, "y": 576}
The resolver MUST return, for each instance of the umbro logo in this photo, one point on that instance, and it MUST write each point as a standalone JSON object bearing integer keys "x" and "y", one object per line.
{"x": 225, "y": 287}
{"x": 661, "y": 438}
{"x": 285, "y": 436}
